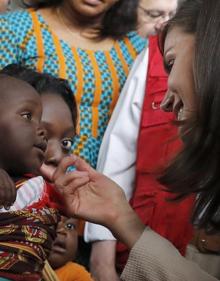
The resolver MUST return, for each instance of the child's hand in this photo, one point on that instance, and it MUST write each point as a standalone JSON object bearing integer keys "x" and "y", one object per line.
{"x": 7, "y": 190}
{"x": 47, "y": 172}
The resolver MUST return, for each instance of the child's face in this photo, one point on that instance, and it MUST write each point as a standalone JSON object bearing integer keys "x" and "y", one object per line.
{"x": 65, "y": 245}
{"x": 57, "y": 121}
{"x": 22, "y": 139}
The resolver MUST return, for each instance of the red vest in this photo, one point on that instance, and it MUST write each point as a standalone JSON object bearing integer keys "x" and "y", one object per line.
{"x": 157, "y": 144}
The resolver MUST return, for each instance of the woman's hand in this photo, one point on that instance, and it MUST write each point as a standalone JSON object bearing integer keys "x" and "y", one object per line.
{"x": 91, "y": 195}
{"x": 94, "y": 197}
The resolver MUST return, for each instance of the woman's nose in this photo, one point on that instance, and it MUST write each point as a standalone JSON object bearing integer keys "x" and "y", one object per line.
{"x": 167, "y": 102}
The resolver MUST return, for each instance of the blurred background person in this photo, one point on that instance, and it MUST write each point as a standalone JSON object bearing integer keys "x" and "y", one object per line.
{"x": 152, "y": 14}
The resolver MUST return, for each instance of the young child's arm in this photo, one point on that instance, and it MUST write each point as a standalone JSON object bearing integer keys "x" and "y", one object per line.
{"x": 7, "y": 190}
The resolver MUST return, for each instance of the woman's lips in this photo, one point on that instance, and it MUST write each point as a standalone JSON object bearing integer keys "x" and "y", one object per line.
{"x": 93, "y": 2}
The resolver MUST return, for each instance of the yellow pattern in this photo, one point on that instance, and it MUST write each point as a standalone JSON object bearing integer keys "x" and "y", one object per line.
{"x": 39, "y": 40}
{"x": 61, "y": 58}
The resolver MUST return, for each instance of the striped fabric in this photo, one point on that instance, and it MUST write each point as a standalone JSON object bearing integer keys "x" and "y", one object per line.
{"x": 96, "y": 77}
{"x": 27, "y": 230}
{"x": 28, "y": 192}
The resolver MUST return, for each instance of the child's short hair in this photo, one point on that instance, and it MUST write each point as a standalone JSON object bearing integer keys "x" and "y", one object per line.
{"x": 43, "y": 82}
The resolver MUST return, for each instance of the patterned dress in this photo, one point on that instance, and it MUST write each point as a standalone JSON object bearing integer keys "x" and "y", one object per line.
{"x": 27, "y": 230}
{"x": 96, "y": 77}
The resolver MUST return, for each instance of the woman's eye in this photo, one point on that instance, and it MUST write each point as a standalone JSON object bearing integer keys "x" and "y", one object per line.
{"x": 70, "y": 226}
{"x": 27, "y": 115}
{"x": 168, "y": 65}
{"x": 67, "y": 144}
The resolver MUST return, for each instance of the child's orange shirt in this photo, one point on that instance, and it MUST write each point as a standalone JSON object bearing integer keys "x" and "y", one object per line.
{"x": 73, "y": 272}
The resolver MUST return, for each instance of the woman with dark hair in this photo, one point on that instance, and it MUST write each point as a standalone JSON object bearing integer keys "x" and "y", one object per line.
{"x": 91, "y": 43}
{"x": 191, "y": 48}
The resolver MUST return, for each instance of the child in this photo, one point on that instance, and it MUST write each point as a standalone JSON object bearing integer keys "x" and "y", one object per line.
{"x": 37, "y": 247}
{"x": 59, "y": 116}
{"x": 64, "y": 251}
{"x": 25, "y": 235}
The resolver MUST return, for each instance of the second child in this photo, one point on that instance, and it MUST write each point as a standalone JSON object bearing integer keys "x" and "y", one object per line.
{"x": 64, "y": 253}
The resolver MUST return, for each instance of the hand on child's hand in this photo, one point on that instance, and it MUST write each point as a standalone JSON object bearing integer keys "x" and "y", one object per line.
{"x": 67, "y": 182}
{"x": 94, "y": 197}
{"x": 7, "y": 190}
{"x": 87, "y": 193}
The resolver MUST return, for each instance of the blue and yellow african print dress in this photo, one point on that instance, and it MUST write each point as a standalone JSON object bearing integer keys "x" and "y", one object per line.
{"x": 96, "y": 77}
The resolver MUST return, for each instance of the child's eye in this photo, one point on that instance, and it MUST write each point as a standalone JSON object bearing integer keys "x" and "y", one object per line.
{"x": 70, "y": 226}
{"x": 27, "y": 115}
{"x": 67, "y": 144}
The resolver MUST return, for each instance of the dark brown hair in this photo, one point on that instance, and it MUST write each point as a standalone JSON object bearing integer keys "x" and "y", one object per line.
{"x": 196, "y": 168}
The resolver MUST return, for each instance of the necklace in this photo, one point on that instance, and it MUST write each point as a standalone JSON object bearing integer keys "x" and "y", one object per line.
{"x": 61, "y": 19}
{"x": 84, "y": 38}
{"x": 63, "y": 22}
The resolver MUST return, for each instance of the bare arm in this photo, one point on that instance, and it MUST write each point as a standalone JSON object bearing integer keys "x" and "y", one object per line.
{"x": 102, "y": 261}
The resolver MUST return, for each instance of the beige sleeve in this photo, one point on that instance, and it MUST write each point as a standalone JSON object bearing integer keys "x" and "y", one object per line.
{"x": 154, "y": 258}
